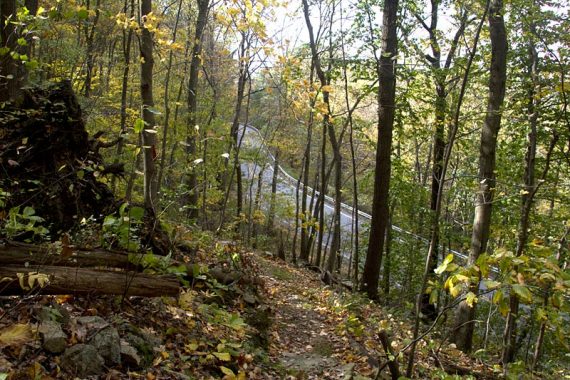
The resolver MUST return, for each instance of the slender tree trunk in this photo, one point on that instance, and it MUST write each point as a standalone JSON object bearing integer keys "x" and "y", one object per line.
{"x": 304, "y": 230}
{"x": 464, "y": 322}
{"x": 149, "y": 131}
{"x": 10, "y": 82}
{"x": 335, "y": 144}
{"x": 89, "y": 46}
{"x": 166, "y": 127}
{"x": 191, "y": 130}
{"x": 509, "y": 334}
{"x": 127, "y": 39}
{"x": 388, "y": 251}
{"x": 385, "y": 65}
{"x": 271, "y": 213}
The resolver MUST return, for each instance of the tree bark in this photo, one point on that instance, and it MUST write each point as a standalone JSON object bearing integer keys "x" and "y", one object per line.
{"x": 464, "y": 321}
{"x": 89, "y": 49}
{"x": 191, "y": 131}
{"x": 69, "y": 280}
{"x": 166, "y": 126}
{"x": 385, "y": 65}
{"x": 16, "y": 253}
{"x": 127, "y": 42}
{"x": 335, "y": 144}
{"x": 9, "y": 67}
{"x": 149, "y": 132}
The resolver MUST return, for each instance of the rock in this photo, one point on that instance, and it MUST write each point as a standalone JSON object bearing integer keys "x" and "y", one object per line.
{"x": 129, "y": 356}
{"x": 82, "y": 360}
{"x": 143, "y": 342}
{"x": 92, "y": 322}
{"x": 54, "y": 339}
{"x": 55, "y": 313}
{"x": 108, "y": 345}
{"x": 144, "y": 349}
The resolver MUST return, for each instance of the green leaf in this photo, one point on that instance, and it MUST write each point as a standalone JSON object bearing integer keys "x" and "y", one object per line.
{"x": 28, "y": 211}
{"x": 491, "y": 284}
{"x": 522, "y": 292}
{"x": 136, "y": 213}
{"x": 82, "y": 14}
{"x": 139, "y": 125}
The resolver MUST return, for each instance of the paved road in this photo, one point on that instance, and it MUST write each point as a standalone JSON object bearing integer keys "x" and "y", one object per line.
{"x": 253, "y": 141}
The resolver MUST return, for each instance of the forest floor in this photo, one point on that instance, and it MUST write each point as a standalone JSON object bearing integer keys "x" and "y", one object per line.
{"x": 283, "y": 325}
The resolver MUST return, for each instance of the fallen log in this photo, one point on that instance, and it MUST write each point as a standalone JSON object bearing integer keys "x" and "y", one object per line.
{"x": 68, "y": 280}
{"x": 16, "y": 253}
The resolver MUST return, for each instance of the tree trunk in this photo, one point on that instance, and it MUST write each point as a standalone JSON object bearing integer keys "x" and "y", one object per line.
{"x": 464, "y": 321}
{"x": 127, "y": 39}
{"x": 509, "y": 334}
{"x": 9, "y": 81}
{"x": 271, "y": 213}
{"x": 89, "y": 49}
{"x": 335, "y": 144}
{"x": 385, "y": 65}
{"x": 149, "y": 131}
{"x": 166, "y": 126}
{"x": 16, "y": 253}
{"x": 191, "y": 130}
{"x": 69, "y": 280}
{"x": 305, "y": 248}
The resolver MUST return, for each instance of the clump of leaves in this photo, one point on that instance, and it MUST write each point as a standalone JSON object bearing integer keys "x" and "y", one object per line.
{"x": 122, "y": 230}
{"x": 25, "y": 224}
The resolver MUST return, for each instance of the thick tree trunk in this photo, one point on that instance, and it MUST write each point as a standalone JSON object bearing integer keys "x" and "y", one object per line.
{"x": 386, "y": 104}
{"x": 149, "y": 131}
{"x": 16, "y": 253}
{"x": 464, "y": 321}
{"x": 191, "y": 130}
{"x": 69, "y": 280}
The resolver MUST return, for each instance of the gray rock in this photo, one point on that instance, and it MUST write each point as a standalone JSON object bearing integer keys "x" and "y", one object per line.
{"x": 92, "y": 322}
{"x": 108, "y": 344}
{"x": 54, "y": 339}
{"x": 129, "y": 356}
{"x": 82, "y": 360}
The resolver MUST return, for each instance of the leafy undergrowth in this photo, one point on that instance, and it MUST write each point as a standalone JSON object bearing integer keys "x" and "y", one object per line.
{"x": 272, "y": 321}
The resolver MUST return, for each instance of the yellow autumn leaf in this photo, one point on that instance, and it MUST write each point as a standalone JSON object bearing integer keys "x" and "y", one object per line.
{"x": 228, "y": 372}
{"x": 223, "y": 356}
{"x": 455, "y": 290}
{"x": 16, "y": 334}
{"x": 471, "y": 299}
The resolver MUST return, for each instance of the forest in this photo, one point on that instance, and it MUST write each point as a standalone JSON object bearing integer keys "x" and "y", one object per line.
{"x": 284, "y": 189}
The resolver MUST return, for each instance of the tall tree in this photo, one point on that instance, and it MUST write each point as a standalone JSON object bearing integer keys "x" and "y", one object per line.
{"x": 385, "y": 69}
{"x": 464, "y": 321}
{"x": 328, "y": 126}
{"x": 148, "y": 132}
{"x": 191, "y": 131}
{"x": 441, "y": 76}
